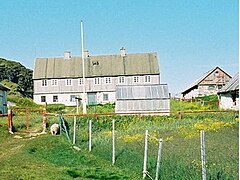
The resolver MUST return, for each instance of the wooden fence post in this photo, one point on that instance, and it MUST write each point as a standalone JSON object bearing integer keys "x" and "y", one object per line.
{"x": 113, "y": 141}
{"x": 74, "y": 129}
{"x": 179, "y": 115}
{"x": 203, "y": 155}
{"x": 44, "y": 121}
{"x": 159, "y": 158}
{"x": 90, "y": 135}
{"x": 10, "y": 130}
{"x": 145, "y": 155}
{"x": 27, "y": 119}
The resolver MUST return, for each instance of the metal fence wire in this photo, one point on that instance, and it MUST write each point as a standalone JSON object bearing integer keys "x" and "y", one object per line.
{"x": 181, "y": 150}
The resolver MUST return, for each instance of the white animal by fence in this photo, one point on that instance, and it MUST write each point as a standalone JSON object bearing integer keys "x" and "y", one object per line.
{"x": 55, "y": 129}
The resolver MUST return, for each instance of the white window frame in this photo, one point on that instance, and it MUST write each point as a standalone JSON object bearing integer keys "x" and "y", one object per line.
{"x": 108, "y": 80}
{"x": 147, "y": 79}
{"x": 44, "y": 98}
{"x": 97, "y": 81}
{"x": 104, "y": 97}
{"x": 56, "y": 100}
{"x": 80, "y": 82}
{"x": 121, "y": 80}
{"x": 72, "y": 98}
{"x": 135, "y": 79}
{"x": 54, "y": 82}
{"x": 68, "y": 82}
{"x": 44, "y": 82}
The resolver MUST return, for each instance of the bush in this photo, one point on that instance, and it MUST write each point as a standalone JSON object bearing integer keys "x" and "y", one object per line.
{"x": 26, "y": 102}
{"x": 55, "y": 108}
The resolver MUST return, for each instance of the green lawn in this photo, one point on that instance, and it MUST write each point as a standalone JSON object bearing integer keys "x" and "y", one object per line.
{"x": 53, "y": 157}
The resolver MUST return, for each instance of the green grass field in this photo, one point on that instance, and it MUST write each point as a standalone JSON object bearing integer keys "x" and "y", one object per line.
{"x": 53, "y": 157}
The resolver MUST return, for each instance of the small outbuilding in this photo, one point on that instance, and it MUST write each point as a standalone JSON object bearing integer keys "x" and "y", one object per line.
{"x": 229, "y": 94}
{"x": 143, "y": 99}
{"x": 208, "y": 84}
{"x": 3, "y": 99}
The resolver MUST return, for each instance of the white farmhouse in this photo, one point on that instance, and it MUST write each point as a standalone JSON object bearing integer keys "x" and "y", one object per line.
{"x": 59, "y": 80}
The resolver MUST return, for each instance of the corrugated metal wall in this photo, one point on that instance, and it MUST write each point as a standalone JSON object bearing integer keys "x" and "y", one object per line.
{"x": 142, "y": 99}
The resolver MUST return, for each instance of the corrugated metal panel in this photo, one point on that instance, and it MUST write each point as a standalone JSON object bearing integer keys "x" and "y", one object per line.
{"x": 97, "y": 66}
{"x": 142, "y": 92}
{"x": 142, "y": 98}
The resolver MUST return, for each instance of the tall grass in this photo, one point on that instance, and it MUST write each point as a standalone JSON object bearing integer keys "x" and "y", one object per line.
{"x": 52, "y": 157}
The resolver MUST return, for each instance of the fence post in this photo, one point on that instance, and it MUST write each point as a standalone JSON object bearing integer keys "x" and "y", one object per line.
{"x": 203, "y": 155}
{"x": 179, "y": 115}
{"x": 74, "y": 129}
{"x": 90, "y": 135}
{"x": 145, "y": 155}
{"x": 113, "y": 142}
{"x": 27, "y": 120}
{"x": 10, "y": 121}
{"x": 44, "y": 121}
{"x": 159, "y": 158}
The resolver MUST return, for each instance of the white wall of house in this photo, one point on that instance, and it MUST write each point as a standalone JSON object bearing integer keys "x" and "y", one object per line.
{"x": 191, "y": 94}
{"x": 202, "y": 90}
{"x": 226, "y": 102}
{"x": 103, "y": 87}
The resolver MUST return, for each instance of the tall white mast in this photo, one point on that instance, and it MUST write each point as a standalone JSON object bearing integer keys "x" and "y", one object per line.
{"x": 83, "y": 70}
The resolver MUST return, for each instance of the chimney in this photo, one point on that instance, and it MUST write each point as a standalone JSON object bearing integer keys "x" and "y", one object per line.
{"x": 67, "y": 55}
{"x": 123, "y": 52}
{"x": 86, "y": 54}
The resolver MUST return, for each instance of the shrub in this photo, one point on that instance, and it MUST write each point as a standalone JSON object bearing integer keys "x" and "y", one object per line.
{"x": 55, "y": 108}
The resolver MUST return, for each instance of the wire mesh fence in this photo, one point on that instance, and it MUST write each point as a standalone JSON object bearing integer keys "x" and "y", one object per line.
{"x": 181, "y": 150}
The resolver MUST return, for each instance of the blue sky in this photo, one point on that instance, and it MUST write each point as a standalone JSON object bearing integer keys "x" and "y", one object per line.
{"x": 190, "y": 36}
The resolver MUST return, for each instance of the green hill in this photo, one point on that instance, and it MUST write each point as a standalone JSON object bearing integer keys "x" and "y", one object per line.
{"x": 19, "y": 75}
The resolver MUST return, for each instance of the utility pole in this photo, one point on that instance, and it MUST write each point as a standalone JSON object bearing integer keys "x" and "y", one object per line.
{"x": 83, "y": 70}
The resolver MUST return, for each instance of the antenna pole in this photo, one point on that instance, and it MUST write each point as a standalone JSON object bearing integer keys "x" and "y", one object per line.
{"x": 83, "y": 70}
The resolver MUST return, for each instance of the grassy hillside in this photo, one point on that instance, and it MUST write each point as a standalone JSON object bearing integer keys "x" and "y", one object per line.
{"x": 12, "y": 71}
{"x": 53, "y": 157}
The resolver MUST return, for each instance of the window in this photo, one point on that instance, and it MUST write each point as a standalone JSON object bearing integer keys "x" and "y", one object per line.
{"x": 108, "y": 80}
{"x": 43, "y": 98}
{"x": 97, "y": 81}
{"x": 105, "y": 97}
{"x": 72, "y": 98}
{"x": 121, "y": 80}
{"x": 68, "y": 82}
{"x": 55, "y": 98}
{"x": 135, "y": 79}
{"x": 211, "y": 87}
{"x": 147, "y": 79}
{"x": 54, "y": 82}
{"x": 44, "y": 82}
{"x": 80, "y": 81}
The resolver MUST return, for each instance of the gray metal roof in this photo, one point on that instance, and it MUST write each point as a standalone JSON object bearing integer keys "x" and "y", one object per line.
{"x": 232, "y": 85}
{"x": 97, "y": 66}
